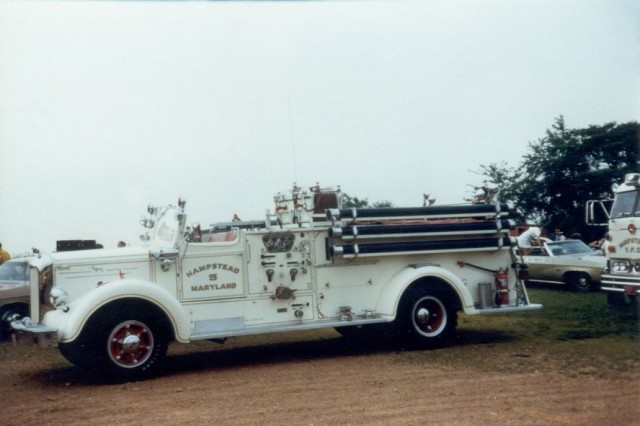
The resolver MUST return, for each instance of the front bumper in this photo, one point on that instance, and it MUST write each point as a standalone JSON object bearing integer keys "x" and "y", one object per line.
{"x": 41, "y": 334}
{"x": 610, "y": 282}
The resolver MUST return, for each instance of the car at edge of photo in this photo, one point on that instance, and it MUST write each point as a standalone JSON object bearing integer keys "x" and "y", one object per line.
{"x": 14, "y": 291}
{"x": 569, "y": 262}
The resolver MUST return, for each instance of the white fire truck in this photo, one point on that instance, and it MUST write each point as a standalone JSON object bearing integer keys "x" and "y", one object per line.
{"x": 401, "y": 272}
{"x": 622, "y": 274}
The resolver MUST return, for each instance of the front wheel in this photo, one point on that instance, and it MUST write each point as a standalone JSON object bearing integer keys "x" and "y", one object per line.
{"x": 120, "y": 343}
{"x": 131, "y": 345}
{"x": 427, "y": 316}
{"x": 580, "y": 282}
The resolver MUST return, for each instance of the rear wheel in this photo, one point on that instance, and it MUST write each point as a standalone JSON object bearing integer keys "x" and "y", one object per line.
{"x": 427, "y": 315}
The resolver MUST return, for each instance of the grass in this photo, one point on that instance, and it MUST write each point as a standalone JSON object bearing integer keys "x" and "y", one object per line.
{"x": 567, "y": 316}
{"x": 572, "y": 334}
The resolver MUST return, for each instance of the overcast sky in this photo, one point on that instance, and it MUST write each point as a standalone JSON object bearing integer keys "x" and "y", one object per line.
{"x": 107, "y": 107}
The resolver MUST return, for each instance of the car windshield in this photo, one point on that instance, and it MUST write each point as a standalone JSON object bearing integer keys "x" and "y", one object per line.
{"x": 623, "y": 205}
{"x": 13, "y": 271}
{"x": 562, "y": 248}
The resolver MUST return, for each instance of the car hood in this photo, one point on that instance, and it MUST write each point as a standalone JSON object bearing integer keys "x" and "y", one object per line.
{"x": 13, "y": 282}
{"x": 6, "y": 285}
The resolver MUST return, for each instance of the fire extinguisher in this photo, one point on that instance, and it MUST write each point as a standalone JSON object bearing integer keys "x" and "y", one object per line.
{"x": 502, "y": 287}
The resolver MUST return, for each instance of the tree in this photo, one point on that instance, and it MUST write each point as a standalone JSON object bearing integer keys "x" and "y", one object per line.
{"x": 348, "y": 202}
{"x": 565, "y": 169}
{"x": 503, "y": 179}
{"x": 382, "y": 203}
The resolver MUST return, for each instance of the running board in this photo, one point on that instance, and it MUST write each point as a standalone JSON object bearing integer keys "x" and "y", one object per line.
{"x": 277, "y": 328}
{"x": 504, "y": 309}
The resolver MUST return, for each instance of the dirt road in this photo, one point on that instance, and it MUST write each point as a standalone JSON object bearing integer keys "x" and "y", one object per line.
{"x": 315, "y": 382}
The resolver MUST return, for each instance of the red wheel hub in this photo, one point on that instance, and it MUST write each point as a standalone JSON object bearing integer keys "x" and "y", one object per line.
{"x": 130, "y": 344}
{"x": 430, "y": 316}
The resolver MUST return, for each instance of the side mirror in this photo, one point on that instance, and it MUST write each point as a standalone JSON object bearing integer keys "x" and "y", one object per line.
{"x": 596, "y": 213}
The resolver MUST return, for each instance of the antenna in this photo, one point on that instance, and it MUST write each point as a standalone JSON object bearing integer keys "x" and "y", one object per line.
{"x": 291, "y": 136}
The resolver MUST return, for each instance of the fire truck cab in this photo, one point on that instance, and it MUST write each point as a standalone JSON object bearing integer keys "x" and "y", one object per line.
{"x": 622, "y": 274}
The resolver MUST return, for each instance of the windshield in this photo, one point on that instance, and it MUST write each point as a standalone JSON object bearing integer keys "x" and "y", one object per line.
{"x": 624, "y": 204}
{"x": 562, "y": 248}
{"x": 14, "y": 271}
{"x": 167, "y": 227}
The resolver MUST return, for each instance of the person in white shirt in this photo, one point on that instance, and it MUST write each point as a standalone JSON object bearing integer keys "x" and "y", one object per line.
{"x": 528, "y": 239}
{"x": 601, "y": 244}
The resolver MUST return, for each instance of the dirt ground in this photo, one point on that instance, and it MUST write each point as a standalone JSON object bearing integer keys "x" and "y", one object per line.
{"x": 326, "y": 381}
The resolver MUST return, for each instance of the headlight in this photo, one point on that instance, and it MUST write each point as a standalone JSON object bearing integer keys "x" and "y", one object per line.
{"x": 58, "y": 297}
{"x": 620, "y": 266}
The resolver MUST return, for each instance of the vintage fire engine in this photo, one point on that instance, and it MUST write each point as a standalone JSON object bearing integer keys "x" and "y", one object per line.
{"x": 622, "y": 274}
{"x": 372, "y": 272}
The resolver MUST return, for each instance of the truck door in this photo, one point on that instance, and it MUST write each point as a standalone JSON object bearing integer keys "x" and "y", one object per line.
{"x": 213, "y": 269}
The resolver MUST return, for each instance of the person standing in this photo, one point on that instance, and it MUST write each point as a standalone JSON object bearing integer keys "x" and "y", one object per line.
{"x": 528, "y": 239}
{"x": 559, "y": 235}
{"x": 601, "y": 244}
{"x": 4, "y": 256}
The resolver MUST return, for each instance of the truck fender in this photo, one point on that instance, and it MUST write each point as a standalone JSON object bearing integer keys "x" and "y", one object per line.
{"x": 82, "y": 309}
{"x": 390, "y": 296}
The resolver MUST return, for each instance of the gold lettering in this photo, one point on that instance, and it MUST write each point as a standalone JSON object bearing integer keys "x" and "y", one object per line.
{"x": 212, "y": 287}
{"x": 207, "y": 266}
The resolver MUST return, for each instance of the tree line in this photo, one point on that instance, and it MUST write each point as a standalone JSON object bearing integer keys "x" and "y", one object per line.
{"x": 562, "y": 171}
